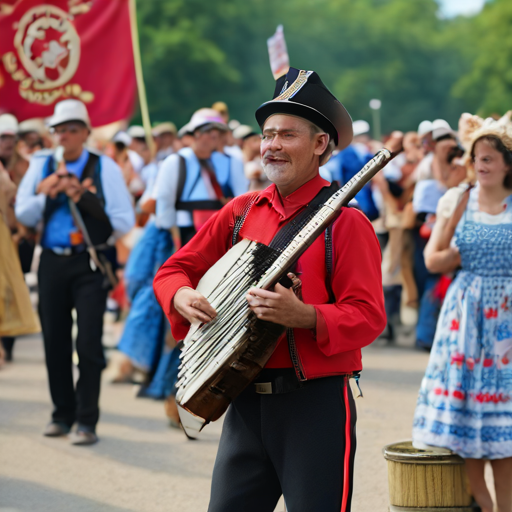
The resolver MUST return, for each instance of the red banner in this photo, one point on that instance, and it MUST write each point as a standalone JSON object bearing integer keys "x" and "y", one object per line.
{"x": 57, "y": 49}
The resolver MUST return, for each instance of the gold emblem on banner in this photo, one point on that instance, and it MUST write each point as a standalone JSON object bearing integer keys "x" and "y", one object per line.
{"x": 48, "y": 49}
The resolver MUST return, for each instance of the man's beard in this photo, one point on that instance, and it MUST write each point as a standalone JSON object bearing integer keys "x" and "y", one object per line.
{"x": 275, "y": 171}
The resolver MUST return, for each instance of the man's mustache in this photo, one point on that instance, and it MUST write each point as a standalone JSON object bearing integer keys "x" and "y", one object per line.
{"x": 271, "y": 154}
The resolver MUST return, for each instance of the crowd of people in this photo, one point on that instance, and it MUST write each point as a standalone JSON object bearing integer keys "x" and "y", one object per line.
{"x": 100, "y": 217}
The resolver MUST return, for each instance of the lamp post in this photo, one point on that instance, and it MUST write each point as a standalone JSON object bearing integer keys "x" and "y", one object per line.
{"x": 375, "y": 106}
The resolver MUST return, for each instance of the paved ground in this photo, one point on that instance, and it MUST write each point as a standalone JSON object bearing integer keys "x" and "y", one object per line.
{"x": 142, "y": 465}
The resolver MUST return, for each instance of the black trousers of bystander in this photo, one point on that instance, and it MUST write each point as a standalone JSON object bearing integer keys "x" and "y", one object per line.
{"x": 67, "y": 282}
{"x": 300, "y": 444}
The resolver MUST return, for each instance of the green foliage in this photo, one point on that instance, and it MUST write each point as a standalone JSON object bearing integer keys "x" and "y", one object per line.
{"x": 488, "y": 84}
{"x": 195, "y": 52}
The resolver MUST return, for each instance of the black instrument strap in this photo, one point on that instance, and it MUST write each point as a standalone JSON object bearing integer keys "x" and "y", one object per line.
{"x": 240, "y": 219}
{"x": 289, "y": 231}
{"x": 329, "y": 261}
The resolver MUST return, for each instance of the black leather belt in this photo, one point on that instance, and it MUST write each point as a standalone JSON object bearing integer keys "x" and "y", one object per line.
{"x": 69, "y": 251}
{"x": 272, "y": 381}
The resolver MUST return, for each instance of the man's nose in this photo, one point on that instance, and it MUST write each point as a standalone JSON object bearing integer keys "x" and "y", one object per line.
{"x": 276, "y": 143}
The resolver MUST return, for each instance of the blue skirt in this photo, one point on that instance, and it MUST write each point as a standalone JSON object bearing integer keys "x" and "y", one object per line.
{"x": 144, "y": 331}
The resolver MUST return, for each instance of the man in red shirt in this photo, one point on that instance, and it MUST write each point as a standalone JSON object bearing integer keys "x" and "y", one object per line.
{"x": 292, "y": 432}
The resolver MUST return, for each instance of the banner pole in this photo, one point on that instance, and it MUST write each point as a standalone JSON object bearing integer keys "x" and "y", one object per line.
{"x": 140, "y": 78}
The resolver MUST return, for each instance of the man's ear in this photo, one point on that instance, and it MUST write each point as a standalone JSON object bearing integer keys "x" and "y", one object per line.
{"x": 322, "y": 141}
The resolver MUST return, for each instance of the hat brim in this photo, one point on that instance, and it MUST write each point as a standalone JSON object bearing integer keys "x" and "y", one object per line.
{"x": 56, "y": 120}
{"x": 212, "y": 126}
{"x": 342, "y": 137}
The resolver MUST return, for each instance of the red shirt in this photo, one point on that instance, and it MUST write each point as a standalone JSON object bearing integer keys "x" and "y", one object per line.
{"x": 355, "y": 319}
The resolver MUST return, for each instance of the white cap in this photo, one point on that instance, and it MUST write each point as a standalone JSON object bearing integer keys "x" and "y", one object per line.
{"x": 360, "y": 127}
{"x": 69, "y": 110}
{"x": 8, "y": 124}
{"x": 184, "y": 130}
{"x": 233, "y": 124}
{"x": 206, "y": 116}
{"x": 32, "y": 125}
{"x": 440, "y": 123}
{"x": 424, "y": 128}
{"x": 136, "y": 132}
{"x": 122, "y": 137}
{"x": 243, "y": 131}
{"x": 440, "y": 128}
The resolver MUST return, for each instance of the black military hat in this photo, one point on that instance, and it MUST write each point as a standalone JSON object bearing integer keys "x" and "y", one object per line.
{"x": 302, "y": 93}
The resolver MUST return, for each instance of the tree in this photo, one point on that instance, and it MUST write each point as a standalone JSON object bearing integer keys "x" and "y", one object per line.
{"x": 195, "y": 52}
{"x": 488, "y": 83}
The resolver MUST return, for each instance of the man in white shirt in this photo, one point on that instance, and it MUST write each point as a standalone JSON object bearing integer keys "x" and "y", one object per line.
{"x": 65, "y": 193}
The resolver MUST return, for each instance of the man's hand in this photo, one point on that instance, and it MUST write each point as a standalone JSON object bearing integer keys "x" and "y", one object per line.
{"x": 48, "y": 184}
{"x": 281, "y": 306}
{"x": 191, "y": 305}
{"x": 395, "y": 142}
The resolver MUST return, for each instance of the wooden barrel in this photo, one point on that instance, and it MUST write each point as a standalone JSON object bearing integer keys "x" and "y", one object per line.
{"x": 433, "y": 480}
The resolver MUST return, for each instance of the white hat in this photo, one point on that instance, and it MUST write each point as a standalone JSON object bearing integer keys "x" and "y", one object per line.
{"x": 233, "y": 124}
{"x": 69, "y": 110}
{"x": 440, "y": 123}
{"x": 123, "y": 138}
{"x": 440, "y": 128}
{"x": 184, "y": 130}
{"x": 32, "y": 125}
{"x": 424, "y": 128}
{"x": 243, "y": 131}
{"x": 162, "y": 128}
{"x": 136, "y": 132}
{"x": 360, "y": 127}
{"x": 8, "y": 124}
{"x": 206, "y": 116}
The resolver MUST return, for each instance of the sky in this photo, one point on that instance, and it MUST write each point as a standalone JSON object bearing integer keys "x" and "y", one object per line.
{"x": 451, "y": 8}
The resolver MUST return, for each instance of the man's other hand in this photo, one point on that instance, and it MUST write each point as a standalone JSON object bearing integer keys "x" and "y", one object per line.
{"x": 281, "y": 306}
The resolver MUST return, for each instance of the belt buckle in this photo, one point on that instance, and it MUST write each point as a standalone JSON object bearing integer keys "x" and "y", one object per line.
{"x": 62, "y": 251}
{"x": 263, "y": 388}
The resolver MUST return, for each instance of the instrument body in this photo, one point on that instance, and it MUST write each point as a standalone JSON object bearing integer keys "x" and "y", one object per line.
{"x": 220, "y": 358}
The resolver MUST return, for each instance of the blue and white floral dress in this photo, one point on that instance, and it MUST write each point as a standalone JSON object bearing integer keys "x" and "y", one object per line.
{"x": 465, "y": 399}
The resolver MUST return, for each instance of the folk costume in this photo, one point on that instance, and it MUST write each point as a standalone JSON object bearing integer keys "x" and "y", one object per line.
{"x": 68, "y": 278}
{"x": 292, "y": 432}
{"x": 464, "y": 402}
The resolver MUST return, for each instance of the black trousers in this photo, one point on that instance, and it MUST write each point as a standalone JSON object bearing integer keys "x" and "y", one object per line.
{"x": 300, "y": 444}
{"x": 67, "y": 282}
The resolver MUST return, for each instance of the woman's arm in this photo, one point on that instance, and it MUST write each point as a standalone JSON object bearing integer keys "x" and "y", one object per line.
{"x": 440, "y": 257}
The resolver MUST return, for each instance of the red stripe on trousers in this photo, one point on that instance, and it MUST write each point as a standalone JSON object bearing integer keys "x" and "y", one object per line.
{"x": 348, "y": 448}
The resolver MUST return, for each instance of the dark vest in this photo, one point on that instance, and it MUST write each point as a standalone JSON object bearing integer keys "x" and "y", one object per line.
{"x": 91, "y": 205}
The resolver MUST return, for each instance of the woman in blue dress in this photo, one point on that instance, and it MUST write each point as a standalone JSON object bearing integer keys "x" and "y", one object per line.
{"x": 465, "y": 399}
